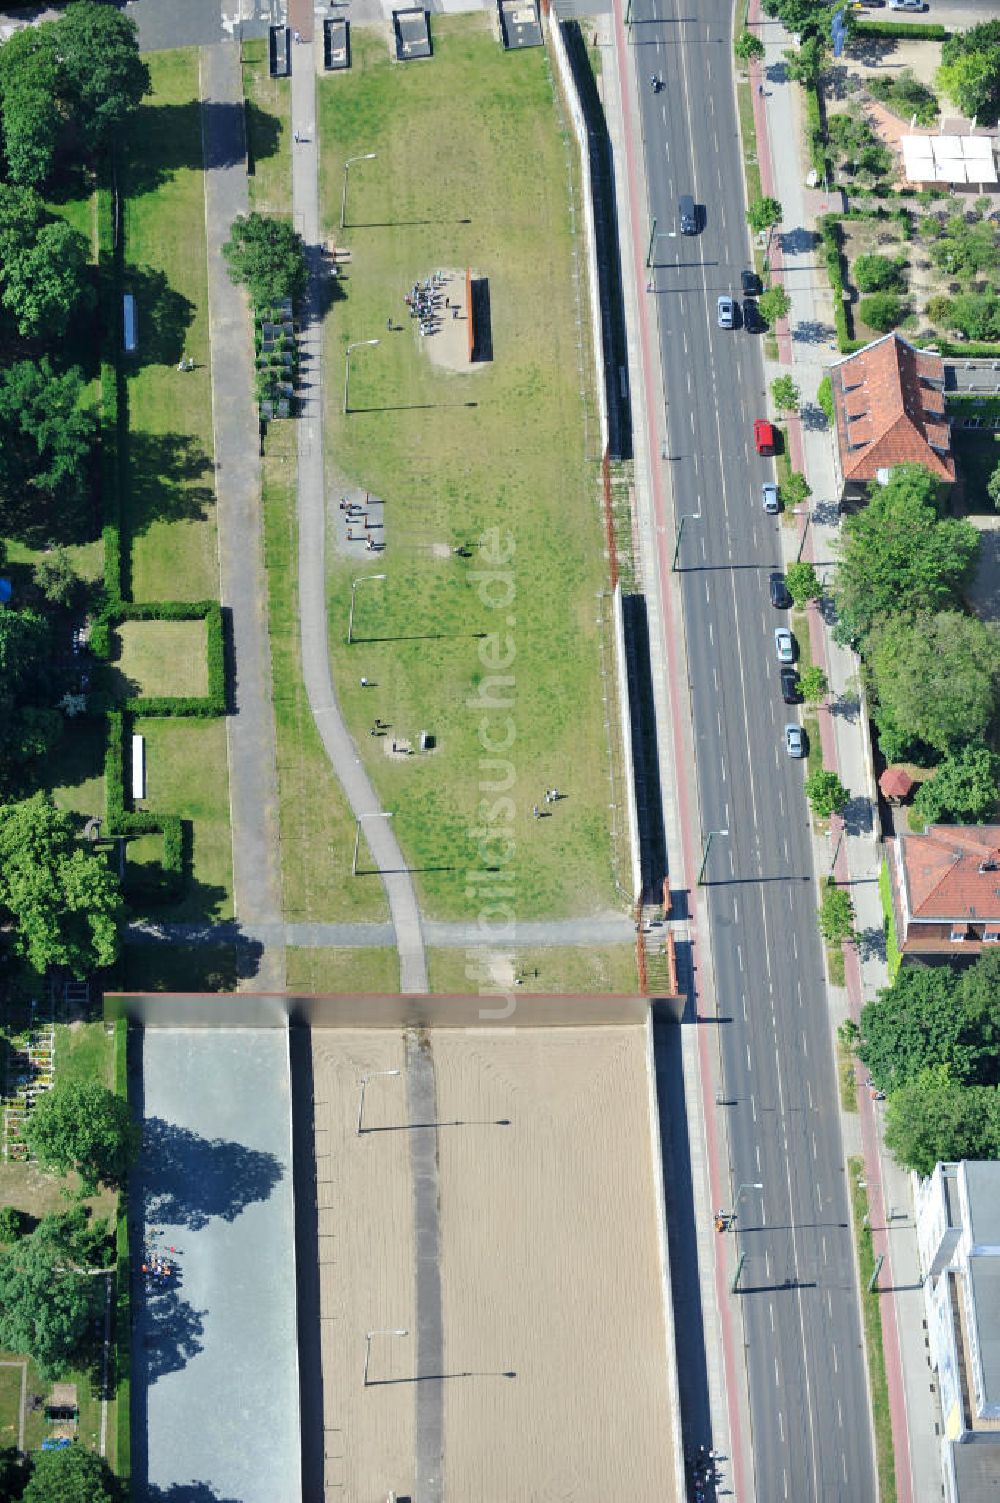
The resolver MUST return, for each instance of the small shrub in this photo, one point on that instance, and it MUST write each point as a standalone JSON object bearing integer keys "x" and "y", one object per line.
{"x": 824, "y": 399}
{"x": 876, "y": 273}
{"x": 882, "y": 311}
{"x": 11, "y": 1224}
{"x": 939, "y": 310}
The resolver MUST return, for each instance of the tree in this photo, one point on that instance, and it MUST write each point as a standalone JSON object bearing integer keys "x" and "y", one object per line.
{"x": 104, "y": 78}
{"x": 814, "y": 685}
{"x": 937, "y": 676}
{"x": 763, "y": 213}
{"x": 73, "y": 1475}
{"x": 46, "y": 436}
{"x": 882, "y": 311}
{"x": 86, "y": 1128}
{"x": 785, "y": 394}
{"x": 803, "y": 582}
{"x": 13, "y": 1474}
{"x": 46, "y": 1307}
{"x": 836, "y": 913}
{"x": 976, "y": 315}
{"x": 915, "y": 1024}
{"x": 805, "y": 64}
{"x": 933, "y": 1118}
{"x": 970, "y": 71}
{"x": 44, "y": 273}
{"x": 796, "y": 488}
{"x": 824, "y": 398}
{"x": 826, "y": 793}
{"x": 966, "y": 250}
{"x": 804, "y": 17}
{"x": 993, "y": 486}
{"x": 979, "y": 991}
{"x": 24, "y": 647}
{"x": 11, "y": 1227}
{"x": 32, "y": 115}
{"x": 899, "y": 555}
{"x": 63, "y": 900}
{"x": 748, "y": 46}
{"x": 774, "y": 304}
{"x": 268, "y": 255}
{"x": 878, "y": 274}
{"x": 56, "y": 578}
{"x": 965, "y": 788}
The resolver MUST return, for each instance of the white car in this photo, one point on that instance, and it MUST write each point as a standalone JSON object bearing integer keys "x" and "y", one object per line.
{"x": 795, "y": 741}
{"x": 907, "y": 5}
{"x": 784, "y": 644}
{"x": 727, "y": 313}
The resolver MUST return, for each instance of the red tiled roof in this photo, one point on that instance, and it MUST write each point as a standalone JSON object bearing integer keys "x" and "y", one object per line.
{"x": 896, "y": 782}
{"x": 944, "y": 873}
{"x": 888, "y": 411}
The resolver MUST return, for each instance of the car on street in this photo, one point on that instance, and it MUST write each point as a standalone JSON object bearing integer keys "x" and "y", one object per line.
{"x": 727, "y": 312}
{"x": 790, "y": 686}
{"x": 687, "y": 213}
{"x": 752, "y": 321}
{"x": 764, "y": 437}
{"x": 751, "y": 284}
{"x": 795, "y": 741}
{"x": 907, "y": 5}
{"x": 784, "y": 644}
{"x": 780, "y": 598}
{"x": 769, "y": 492}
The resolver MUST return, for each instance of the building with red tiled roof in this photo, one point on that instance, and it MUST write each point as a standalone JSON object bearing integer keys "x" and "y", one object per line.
{"x": 946, "y": 889}
{"x": 888, "y": 403}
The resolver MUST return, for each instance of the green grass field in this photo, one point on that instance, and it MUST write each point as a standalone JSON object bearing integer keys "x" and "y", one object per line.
{"x": 317, "y": 827}
{"x": 268, "y": 115}
{"x": 170, "y": 510}
{"x": 469, "y": 176}
{"x": 361, "y": 970}
{"x": 163, "y": 657}
{"x": 558, "y": 969}
{"x": 187, "y": 774}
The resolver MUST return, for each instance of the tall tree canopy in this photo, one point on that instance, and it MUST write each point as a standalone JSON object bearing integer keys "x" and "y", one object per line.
{"x": 936, "y": 675}
{"x": 104, "y": 76}
{"x": 970, "y": 71}
{"x": 934, "y": 1118}
{"x": 73, "y": 1475}
{"x": 63, "y": 900}
{"x": 268, "y": 255}
{"x": 965, "y": 788}
{"x": 44, "y": 272}
{"x": 86, "y": 1128}
{"x": 46, "y": 436}
{"x": 33, "y": 115}
{"x": 47, "y": 1305}
{"x": 917, "y": 1024}
{"x": 898, "y": 554}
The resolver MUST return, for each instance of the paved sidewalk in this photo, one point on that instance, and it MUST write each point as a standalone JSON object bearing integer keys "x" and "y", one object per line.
{"x": 854, "y": 851}
{"x": 312, "y": 539}
{"x": 253, "y": 777}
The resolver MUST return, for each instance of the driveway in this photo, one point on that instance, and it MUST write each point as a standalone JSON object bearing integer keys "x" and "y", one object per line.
{"x": 214, "y": 1343}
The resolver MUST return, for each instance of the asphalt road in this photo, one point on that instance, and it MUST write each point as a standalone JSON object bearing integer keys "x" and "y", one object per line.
{"x": 808, "y": 1394}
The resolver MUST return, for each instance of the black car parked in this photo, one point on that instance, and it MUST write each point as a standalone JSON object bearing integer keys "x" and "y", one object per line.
{"x": 780, "y": 597}
{"x": 751, "y": 284}
{"x": 790, "y": 686}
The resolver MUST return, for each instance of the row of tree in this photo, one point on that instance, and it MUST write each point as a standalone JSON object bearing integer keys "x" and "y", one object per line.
{"x": 934, "y": 669}
{"x": 931, "y": 1042}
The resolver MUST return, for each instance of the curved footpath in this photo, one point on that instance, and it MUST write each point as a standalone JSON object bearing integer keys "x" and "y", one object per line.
{"x": 316, "y": 672}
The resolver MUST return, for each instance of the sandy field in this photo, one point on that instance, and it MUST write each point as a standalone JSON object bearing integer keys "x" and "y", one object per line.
{"x": 555, "y": 1358}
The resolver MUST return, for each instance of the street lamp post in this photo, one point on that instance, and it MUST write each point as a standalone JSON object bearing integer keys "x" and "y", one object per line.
{"x": 708, "y": 847}
{"x": 357, "y": 345}
{"x": 369, "y": 156}
{"x": 688, "y": 516}
{"x": 350, "y": 615}
{"x": 375, "y": 814}
{"x": 736, "y": 1203}
{"x": 375, "y": 1074}
{"x": 368, "y": 1347}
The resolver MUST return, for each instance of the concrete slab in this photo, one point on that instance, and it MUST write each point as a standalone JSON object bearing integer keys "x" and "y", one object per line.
{"x": 214, "y": 1347}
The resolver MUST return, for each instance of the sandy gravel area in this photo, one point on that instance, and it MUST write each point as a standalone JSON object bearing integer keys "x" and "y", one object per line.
{"x": 555, "y": 1357}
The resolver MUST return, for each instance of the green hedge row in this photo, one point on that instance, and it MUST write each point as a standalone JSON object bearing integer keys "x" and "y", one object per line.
{"x": 210, "y": 611}
{"x": 904, "y": 31}
{"x": 830, "y": 236}
{"x": 967, "y": 351}
{"x": 121, "y": 819}
{"x": 816, "y": 133}
{"x": 122, "y": 1305}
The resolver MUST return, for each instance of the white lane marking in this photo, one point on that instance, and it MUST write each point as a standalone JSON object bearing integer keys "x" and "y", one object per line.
{"x": 781, "y": 1427}
{"x": 809, "y": 1092}
{"x": 739, "y": 955}
{"x": 777, "y": 1376}
{"x": 840, "y": 1415}
{"x": 825, "y": 1258}
{"x": 770, "y": 1311}
{"x": 757, "y": 1155}
{"x": 805, "y": 1047}
{"x": 814, "y": 1146}
{"x": 795, "y": 945}
{"x": 753, "y": 1106}
{"x": 743, "y": 999}
{"x": 749, "y": 1066}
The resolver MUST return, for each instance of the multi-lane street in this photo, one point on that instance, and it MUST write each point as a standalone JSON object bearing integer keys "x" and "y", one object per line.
{"x": 810, "y": 1422}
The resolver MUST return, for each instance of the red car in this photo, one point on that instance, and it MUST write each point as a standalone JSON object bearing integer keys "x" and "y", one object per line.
{"x": 765, "y": 437}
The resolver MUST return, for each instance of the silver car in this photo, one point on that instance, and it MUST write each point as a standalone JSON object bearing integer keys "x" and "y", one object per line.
{"x": 727, "y": 312}
{"x": 769, "y": 493}
{"x": 795, "y": 741}
{"x": 784, "y": 644}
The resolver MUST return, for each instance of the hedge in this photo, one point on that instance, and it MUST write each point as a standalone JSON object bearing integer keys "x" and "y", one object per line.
{"x": 917, "y": 31}
{"x": 122, "y": 1306}
{"x": 827, "y": 224}
{"x": 210, "y": 611}
{"x": 816, "y": 132}
{"x": 121, "y": 820}
{"x": 968, "y": 351}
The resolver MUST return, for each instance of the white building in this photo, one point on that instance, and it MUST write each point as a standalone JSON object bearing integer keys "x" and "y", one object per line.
{"x": 958, "y": 1233}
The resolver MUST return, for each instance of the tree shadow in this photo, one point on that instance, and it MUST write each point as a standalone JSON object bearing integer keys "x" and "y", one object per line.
{"x": 263, "y": 134}
{"x": 163, "y": 316}
{"x": 176, "y": 131}
{"x": 189, "y": 1179}
{"x": 857, "y": 815}
{"x": 811, "y": 415}
{"x": 871, "y": 943}
{"x": 168, "y": 474}
{"x": 797, "y": 241}
{"x": 171, "y": 1332}
{"x": 222, "y": 125}
{"x": 826, "y": 513}
{"x": 185, "y": 1492}
{"x": 846, "y": 705}
{"x": 812, "y": 331}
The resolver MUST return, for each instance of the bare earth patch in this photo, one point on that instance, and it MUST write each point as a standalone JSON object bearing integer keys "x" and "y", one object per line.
{"x": 164, "y": 657}
{"x": 448, "y": 345}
